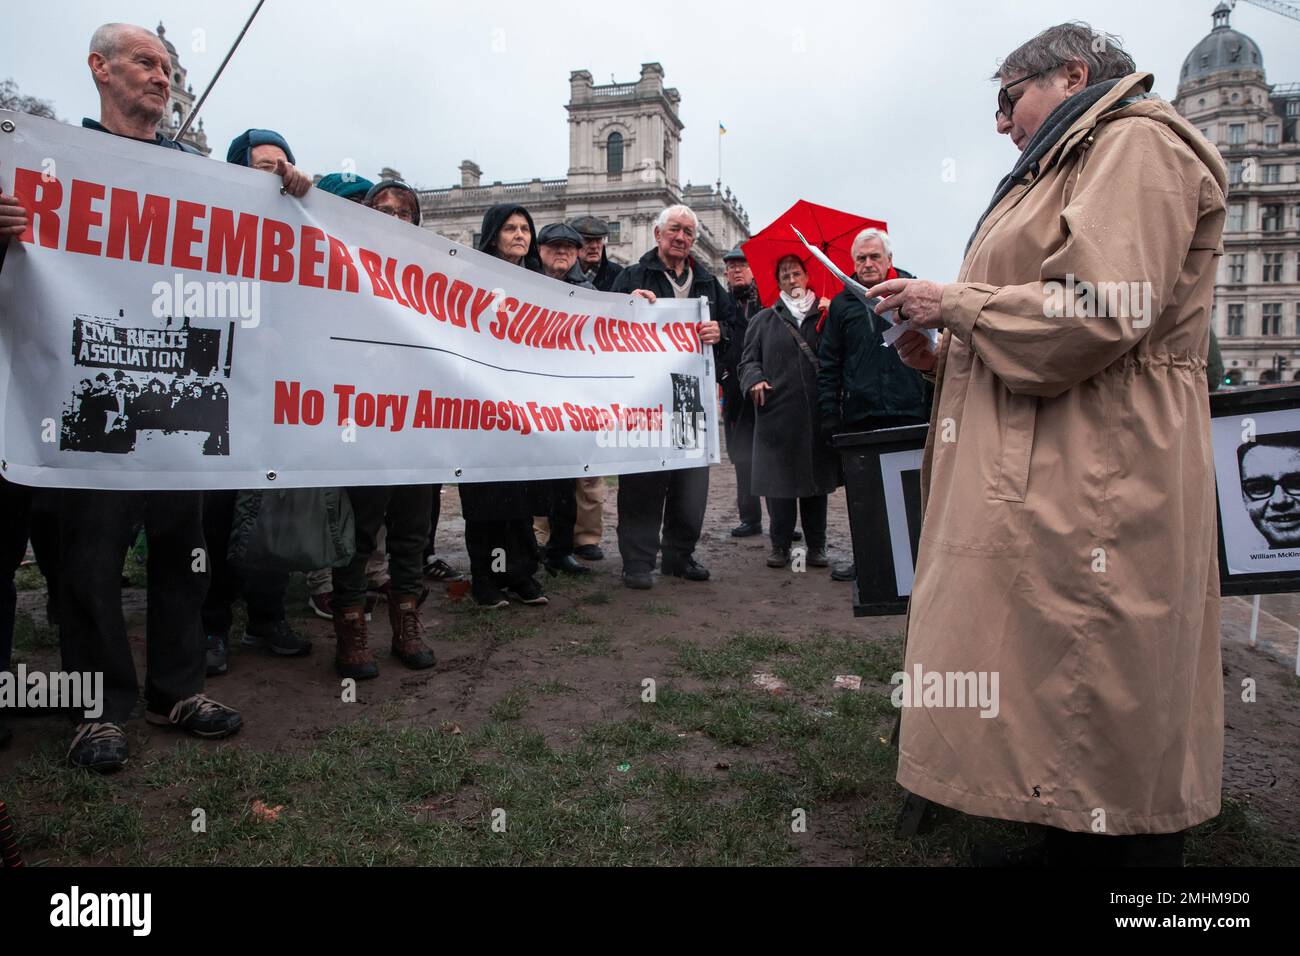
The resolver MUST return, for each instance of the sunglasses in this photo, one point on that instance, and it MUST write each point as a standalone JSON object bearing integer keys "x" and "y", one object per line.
{"x": 1258, "y": 489}
{"x": 1006, "y": 105}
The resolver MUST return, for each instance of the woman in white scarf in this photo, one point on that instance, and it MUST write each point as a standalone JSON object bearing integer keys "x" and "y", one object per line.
{"x": 792, "y": 468}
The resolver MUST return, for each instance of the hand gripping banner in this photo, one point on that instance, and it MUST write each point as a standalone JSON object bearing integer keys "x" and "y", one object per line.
{"x": 170, "y": 321}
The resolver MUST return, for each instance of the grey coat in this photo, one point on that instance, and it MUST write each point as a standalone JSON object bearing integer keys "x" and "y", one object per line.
{"x": 790, "y": 459}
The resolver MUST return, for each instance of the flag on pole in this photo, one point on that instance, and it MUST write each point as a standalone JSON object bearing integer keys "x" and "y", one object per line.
{"x": 722, "y": 130}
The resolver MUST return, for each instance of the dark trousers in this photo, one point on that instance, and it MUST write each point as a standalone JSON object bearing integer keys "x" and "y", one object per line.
{"x": 15, "y": 501}
{"x": 262, "y": 591}
{"x": 562, "y": 518}
{"x": 23, "y": 514}
{"x": 812, "y": 518}
{"x": 517, "y": 557}
{"x": 94, "y": 533}
{"x": 404, "y": 510}
{"x": 435, "y": 512}
{"x": 648, "y": 500}
{"x": 747, "y": 503}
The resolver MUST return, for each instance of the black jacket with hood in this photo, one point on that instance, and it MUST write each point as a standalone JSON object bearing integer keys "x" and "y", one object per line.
{"x": 506, "y": 500}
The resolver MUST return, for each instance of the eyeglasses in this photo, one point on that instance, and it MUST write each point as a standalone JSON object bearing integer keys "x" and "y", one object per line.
{"x": 1006, "y": 105}
{"x": 1258, "y": 489}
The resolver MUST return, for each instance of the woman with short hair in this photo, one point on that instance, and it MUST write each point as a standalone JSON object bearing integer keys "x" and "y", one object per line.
{"x": 792, "y": 467}
{"x": 1069, "y": 536}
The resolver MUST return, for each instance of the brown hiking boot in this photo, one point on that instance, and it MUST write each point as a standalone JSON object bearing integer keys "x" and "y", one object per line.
{"x": 352, "y": 657}
{"x": 408, "y": 630}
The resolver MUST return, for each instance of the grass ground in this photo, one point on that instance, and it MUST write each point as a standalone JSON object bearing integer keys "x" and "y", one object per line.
{"x": 713, "y": 770}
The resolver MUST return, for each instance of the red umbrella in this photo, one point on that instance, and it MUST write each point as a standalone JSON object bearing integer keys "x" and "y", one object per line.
{"x": 830, "y": 230}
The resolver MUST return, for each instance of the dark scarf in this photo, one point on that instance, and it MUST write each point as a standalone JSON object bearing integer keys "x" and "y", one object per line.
{"x": 1056, "y": 125}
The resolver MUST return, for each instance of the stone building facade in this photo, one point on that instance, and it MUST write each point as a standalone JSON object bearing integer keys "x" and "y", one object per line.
{"x": 624, "y": 144}
{"x": 1223, "y": 90}
{"x": 181, "y": 102}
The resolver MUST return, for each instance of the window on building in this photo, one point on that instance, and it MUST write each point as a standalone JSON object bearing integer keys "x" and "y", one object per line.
{"x": 176, "y": 118}
{"x": 1272, "y": 173}
{"x": 615, "y": 231}
{"x": 1293, "y": 107}
{"x": 1236, "y": 319}
{"x": 1236, "y": 134}
{"x": 1236, "y": 218}
{"x": 1272, "y": 323}
{"x": 1297, "y": 319}
{"x": 1234, "y": 173}
{"x": 1271, "y": 135}
{"x": 614, "y": 145}
{"x": 1297, "y": 261}
{"x": 1270, "y": 218}
{"x": 1237, "y": 268}
{"x": 1272, "y": 267}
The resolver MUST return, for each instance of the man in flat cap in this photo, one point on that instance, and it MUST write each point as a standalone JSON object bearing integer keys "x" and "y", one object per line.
{"x": 600, "y": 272}
{"x": 558, "y": 245}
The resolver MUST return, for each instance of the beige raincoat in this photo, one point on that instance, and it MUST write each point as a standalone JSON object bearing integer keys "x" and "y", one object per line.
{"x": 1069, "y": 536}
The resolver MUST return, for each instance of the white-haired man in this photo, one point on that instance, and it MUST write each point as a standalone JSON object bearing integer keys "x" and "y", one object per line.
{"x": 862, "y": 386}
{"x": 132, "y": 71}
{"x": 676, "y": 498}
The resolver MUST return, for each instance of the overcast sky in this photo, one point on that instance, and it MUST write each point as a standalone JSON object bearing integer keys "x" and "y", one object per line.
{"x": 856, "y": 105}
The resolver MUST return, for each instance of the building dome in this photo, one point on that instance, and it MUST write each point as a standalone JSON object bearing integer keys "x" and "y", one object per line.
{"x": 1223, "y": 50}
{"x": 162, "y": 35}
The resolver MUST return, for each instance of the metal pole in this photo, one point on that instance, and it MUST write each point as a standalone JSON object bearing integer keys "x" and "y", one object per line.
{"x": 1254, "y": 620}
{"x": 213, "y": 82}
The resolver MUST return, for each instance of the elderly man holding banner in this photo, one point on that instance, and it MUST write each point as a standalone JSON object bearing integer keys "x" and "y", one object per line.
{"x": 675, "y": 499}
{"x": 1068, "y": 547}
{"x": 132, "y": 71}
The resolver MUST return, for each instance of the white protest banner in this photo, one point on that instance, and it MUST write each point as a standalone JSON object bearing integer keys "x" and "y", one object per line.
{"x": 170, "y": 321}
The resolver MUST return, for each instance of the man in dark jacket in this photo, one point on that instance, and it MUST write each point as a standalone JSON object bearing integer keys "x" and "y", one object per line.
{"x": 862, "y": 385}
{"x": 674, "y": 498}
{"x": 558, "y": 244}
{"x": 592, "y": 258}
{"x": 737, "y": 410}
{"x": 132, "y": 71}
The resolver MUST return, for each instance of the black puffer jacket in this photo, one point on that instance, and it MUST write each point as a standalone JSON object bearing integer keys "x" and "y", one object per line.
{"x": 859, "y": 378}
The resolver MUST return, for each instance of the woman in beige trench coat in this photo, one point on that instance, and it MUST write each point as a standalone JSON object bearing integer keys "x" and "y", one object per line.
{"x": 1068, "y": 544}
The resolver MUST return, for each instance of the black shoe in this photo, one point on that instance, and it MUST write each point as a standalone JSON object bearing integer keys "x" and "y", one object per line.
{"x": 1018, "y": 857}
{"x": 778, "y": 558}
{"x": 529, "y": 591}
{"x": 6, "y": 735}
{"x": 844, "y": 572}
{"x": 689, "y": 569}
{"x": 796, "y": 535}
{"x": 440, "y": 570}
{"x": 216, "y": 655}
{"x": 638, "y": 580}
{"x": 589, "y": 552}
{"x": 747, "y": 529}
{"x": 278, "y": 638}
{"x": 200, "y": 716}
{"x": 568, "y": 564}
{"x": 100, "y": 746}
{"x": 817, "y": 558}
